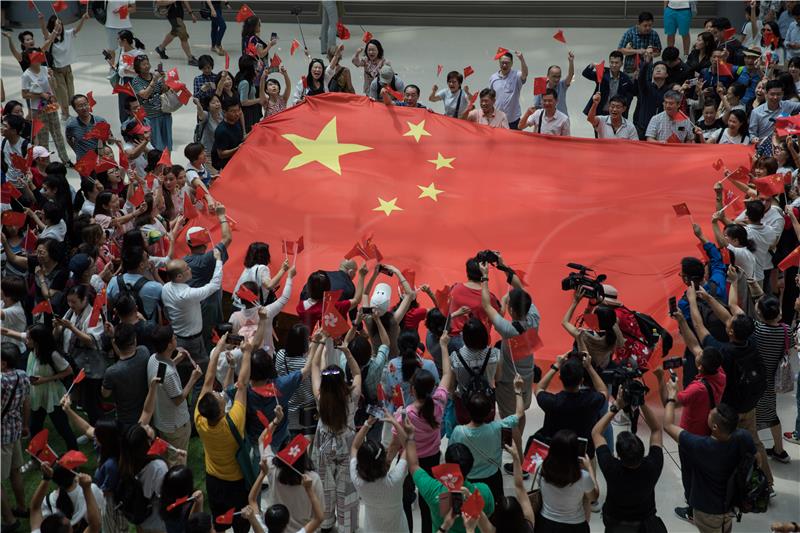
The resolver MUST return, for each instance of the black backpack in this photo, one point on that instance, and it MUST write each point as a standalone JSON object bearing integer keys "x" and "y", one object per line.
{"x": 748, "y": 489}
{"x": 652, "y": 332}
{"x": 132, "y": 502}
{"x": 749, "y": 381}
{"x": 125, "y": 288}
{"x": 477, "y": 380}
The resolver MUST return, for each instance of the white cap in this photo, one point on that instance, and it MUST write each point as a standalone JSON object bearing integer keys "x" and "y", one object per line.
{"x": 197, "y": 234}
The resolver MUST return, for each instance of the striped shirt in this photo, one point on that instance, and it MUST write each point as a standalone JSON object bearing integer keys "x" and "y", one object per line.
{"x": 303, "y": 397}
{"x": 772, "y": 342}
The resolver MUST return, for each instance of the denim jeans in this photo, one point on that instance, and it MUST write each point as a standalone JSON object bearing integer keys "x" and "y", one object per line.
{"x": 327, "y": 34}
{"x": 161, "y": 132}
{"x": 218, "y": 26}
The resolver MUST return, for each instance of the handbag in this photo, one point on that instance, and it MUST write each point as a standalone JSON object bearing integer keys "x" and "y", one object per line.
{"x": 249, "y": 470}
{"x": 783, "y": 374}
{"x": 170, "y": 102}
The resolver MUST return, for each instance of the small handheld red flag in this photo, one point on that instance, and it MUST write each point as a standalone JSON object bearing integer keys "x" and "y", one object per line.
{"x": 449, "y": 475}
{"x": 681, "y": 209}
{"x": 73, "y": 459}
{"x": 472, "y": 100}
{"x": 333, "y": 323}
{"x": 123, "y": 159}
{"x": 20, "y": 163}
{"x": 268, "y": 390}
{"x": 295, "y": 45}
{"x": 59, "y": 6}
{"x": 227, "y": 61}
{"x": 410, "y": 276}
{"x": 38, "y": 442}
{"x": 262, "y": 418}
{"x": 9, "y": 192}
{"x": 244, "y": 13}
{"x": 559, "y": 36}
{"x": 86, "y": 164}
{"x": 443, "y": 299}
{"x": 189, "y": 210}
{"x": 100, "y": 131}
{"x": 226, "y": 518}
{"x": 718, "y": 164}
{"x": 292, "y": 452}
{"x": 178, "y": 502}
{"x": 500, "y": 52}
{"x": 165, "y": 158}
{"x": 724, "y": 69}
{"x": 137, "y": 197}
{"x": 473, "y": 506}
{"x": 524, "y": 344}
{"x": 741, "y": 175}
{"x": 79, "y": 377}
{"x": 367, "y": 37}
{"x": 128, "y": 60}
{"x": 97, "y": 307}
{"x": 673, "y": 139}
{"x": 769, "y": 185}
{"x": 341, "y": 31}
{"x": 123, "y": 89}
{"x": 275, "y": 61}
{"x": 600, "y": 68}
{"x": 36, "y": 58}
{"x": 43, "y": 307}
{"x": 537, "y": 452}
{"x": 539, "y": 85}
{"x": 36, "y": 127}
{"x": 30, "y": 241}
{"x": 397, "y": 95}
{"x": 728, "y": 34}
{"x": 468, "y": 71}
{"x": 398, "y": 400}
{"x": 140, "y": 114}
{"x": 13, "y": 218}
{"x": 90, "y": 97}
{"x": 159, "y": 447}
{"x": 246, "y": 294}
{"x": 439, "y": 69}
{"x": 381, "y": 393}
{"x": 304, "y": 80}
{"x": 791, "y": 260}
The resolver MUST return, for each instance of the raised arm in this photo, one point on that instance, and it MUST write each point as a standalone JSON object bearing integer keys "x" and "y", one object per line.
{"x": 519, "y": 488}
{"x": 597, "y": 431}
{"x": 723, "y": 314}
{"x": 570, "y": 69}
{"x": 448, "y": 378}
{"x": 523, "y": 67}
{"x": 733, "y": 291}
{"x": 254, "y": 497}
{"x": 316, "y": 505}
{"x": 362, "y": 273}
{"x": 316, "y": 371}
{"x": 149, "y": 403}
{"x": 566, "y": 322}
{"x": 244, "y": 374}
{"x": 382, "y": 334}
{"x": 79, "y": 423}
{"x": 355, "y": 370}
{"x": 12, "y": 48}
{"x": 592, "y": 116}
{"x": 688, "y": 336}
{"x": 93, "y": 519}
{"x": 672, "y": 430}
{"x": 656, "y": 434}
{"x": 694, "y": 311}
{"x": 597, "y": 381}
{"x": 213, "y": 362}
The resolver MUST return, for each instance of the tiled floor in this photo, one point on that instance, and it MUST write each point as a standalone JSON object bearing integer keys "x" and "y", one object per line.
{"x": 415, "y": 52}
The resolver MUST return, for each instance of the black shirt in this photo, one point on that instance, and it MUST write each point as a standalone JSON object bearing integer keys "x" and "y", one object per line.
{"x": 339, "y": 280}
{"x": 631, "y": 491}
{"x": 226, "y": 136}
{"x": 577, "y": 411}
{"x": 710, "y": 477}
{"x": 730, "y": 353}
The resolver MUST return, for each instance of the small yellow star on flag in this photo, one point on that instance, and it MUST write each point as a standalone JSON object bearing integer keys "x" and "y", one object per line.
{"x": 429, "y": 192}
{"x": 416, "y": 131}
{"x": 325, "y": 149}
{"x": 441, "y": 161}
{"x": 388, "y": 207}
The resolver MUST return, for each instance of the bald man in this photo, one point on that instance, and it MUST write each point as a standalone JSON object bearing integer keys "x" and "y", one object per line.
{"x": 182, "y": 304}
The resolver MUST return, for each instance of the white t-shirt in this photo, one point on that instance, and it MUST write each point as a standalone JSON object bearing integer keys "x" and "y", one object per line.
{"x": 678, "y": 4}
{"x": 749, "y": 41}
{"x": 13, "y": 175}
{"x": 383, "y": 498}
{"x": 112, "y": 14}
{"x": 295, "y": 499}
{"x": 14, "y": 319}
{"x": 36, "y": 83}
{"x": 140, "y": 162}
{"x": 151, "y": 477}
{"x": 565, "y": 504}
{"x": 258, "y": 274}
{"x": 745, "y": 260}
{"x": 451, "y": 100}
{"x": 56, "y": 231}
{"x": 64, "y": 51}
{"x": 726, "y": 137}
{"x": 78, "y": 503}
{"x": 764, "y": 238}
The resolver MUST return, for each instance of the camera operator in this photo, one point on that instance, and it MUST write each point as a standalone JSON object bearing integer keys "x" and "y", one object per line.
{"x": 600, "y": 344}
{"x": 468, "y": 294}
{"x": 634, "y": 351}
{"x": 524, "y": 316}
{"x": 711, "y": 277}
{"x": 631, "y": 478}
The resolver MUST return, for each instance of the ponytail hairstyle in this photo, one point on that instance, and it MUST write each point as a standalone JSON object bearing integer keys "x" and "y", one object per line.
{"x": 423, "y": 383}
{"x": 133, "y": 456}
{"x": 739, "y": 233}
{"x": 407, "y": 344}
{"x": 64, "y": 479}
{"x": 607, "y": 318}
{"x": 127, "y": 35}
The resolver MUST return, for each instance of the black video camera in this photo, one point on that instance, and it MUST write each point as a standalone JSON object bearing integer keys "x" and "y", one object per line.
{"x": 592, "y": 286}
{"x": 487, "y": 256}
{"x": 633, "y": 390}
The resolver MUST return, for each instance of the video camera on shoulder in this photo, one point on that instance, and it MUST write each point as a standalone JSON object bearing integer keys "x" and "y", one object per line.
{"x": 592, "y": 284}
{"x": 487, "y": 256}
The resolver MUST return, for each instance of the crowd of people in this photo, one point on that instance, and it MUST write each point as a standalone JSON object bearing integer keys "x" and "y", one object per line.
{"x": 412, "y": 411}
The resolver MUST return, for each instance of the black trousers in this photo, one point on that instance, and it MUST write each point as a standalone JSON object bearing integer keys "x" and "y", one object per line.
{"x": 409, "y": 492}
{"x": 60, "y": 422}
{"x": 495, "y": 484}
{"x": 222, "y": 495}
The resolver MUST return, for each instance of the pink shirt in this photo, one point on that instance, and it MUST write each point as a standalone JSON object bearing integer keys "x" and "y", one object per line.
{"x": 497, "y": 120}
{"x": 428, "y": 439}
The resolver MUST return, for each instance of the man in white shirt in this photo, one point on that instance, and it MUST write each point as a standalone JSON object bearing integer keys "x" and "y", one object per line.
{"x": 182, "y": 304}
{"x": 548, "y": 120}
{"x": 614, "y": 125}
{"x": 507, "y": 84}
{"x": 171, "y": 417}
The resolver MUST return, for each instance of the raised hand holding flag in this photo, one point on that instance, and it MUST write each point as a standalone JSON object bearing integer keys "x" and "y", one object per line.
{"x": 293, "y": 451}
{"x": 78, "y": 378}
{"x": 72, "y": 459}
{"x": 244, "y": 13}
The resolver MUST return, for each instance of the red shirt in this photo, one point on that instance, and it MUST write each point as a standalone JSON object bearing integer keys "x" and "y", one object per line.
{"x": 311, "y": 316}
{"x": 461, "y": 295}
{"x": 414, "y": 317}
{"x": 694, "y": 399}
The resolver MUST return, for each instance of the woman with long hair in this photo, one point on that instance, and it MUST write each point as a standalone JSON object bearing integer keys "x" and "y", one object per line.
{"x": 567, "y": 479}
{"x": 294, "y": 356}
{"x": 109, "y": 214}
{"x": 476, "y": 354}
{"x": 46, "y": 368}
{"x": 371, "y": 61}
{"x": 380, "y": 483}
{"x": 121, "y": 63}
{"x": 75, "y": 505}
{"x": 256, "y": 270}
{"x": 315, "y": 81}
{"x": 336, "y": 403}
{"x": 514, "y": 513}
{"x": 737, "y": 131}
{"x": 700, "y": 56}
{"x": 401, "y": 369}
{"x": 247, "y": 82}
{"x": 149, "y": 86}
{"x": 149, "y": 470}
{"x": 178, "y": 483}
{"x": 105, "y": 435}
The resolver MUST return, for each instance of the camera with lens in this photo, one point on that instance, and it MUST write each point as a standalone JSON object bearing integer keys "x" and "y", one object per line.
{"x": 592, "y": 285}
{"x": 633, "y": 390}
{"x": 487, "y": 256}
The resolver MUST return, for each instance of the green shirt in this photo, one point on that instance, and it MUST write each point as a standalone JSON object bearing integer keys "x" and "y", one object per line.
{"x": 430, "y": 488}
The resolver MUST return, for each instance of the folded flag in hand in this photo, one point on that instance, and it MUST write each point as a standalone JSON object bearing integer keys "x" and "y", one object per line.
{"x": 73, "y": 459}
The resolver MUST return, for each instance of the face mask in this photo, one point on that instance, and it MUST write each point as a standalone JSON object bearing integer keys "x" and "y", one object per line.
{"x": 381, "y": 297}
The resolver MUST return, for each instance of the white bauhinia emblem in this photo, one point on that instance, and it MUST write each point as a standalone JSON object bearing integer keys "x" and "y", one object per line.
{"x": 294, "y": 451}
{"x": 330, "y": 320}
{"x": 449, "y": 480}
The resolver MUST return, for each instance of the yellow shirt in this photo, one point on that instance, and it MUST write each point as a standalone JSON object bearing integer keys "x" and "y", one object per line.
{"x": 220, "y": 444}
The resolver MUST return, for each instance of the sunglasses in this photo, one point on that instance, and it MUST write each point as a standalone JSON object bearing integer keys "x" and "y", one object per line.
{"x": 332, "y": 372}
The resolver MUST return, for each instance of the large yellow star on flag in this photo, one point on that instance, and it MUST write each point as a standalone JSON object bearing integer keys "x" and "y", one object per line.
{"x": 441, "y": 161}
{"x": 429, "y": 192}
{"x": 388, "y": 207}
{"x": 416, "y": 131}
{"x": 325, "y": 149}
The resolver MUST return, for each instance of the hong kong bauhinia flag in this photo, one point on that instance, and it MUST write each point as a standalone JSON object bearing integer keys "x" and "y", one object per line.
{"x": 434, "y": 190}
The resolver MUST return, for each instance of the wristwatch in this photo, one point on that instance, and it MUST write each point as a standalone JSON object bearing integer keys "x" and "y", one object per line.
{"x": 670, "y": 400}
{"x": 614, "y": 409}
{"x": 484, "y": 279}
{"x": 554, "y": 367}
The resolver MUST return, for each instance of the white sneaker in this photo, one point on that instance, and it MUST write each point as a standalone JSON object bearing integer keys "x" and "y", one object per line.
{"x": 27, "y": 466}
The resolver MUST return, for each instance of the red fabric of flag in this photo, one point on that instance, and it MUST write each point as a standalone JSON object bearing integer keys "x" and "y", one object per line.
{"x": 86, "y": 164}
{"x": 270, "y": 172}
{"x": 122, "y": 12}
{"x": 787, "y": 125}
{"x": 333, "y": 323}
{"x": 524, "y": 344}
{"x": 13, "y": 218}
{"x": 718, "y": 164}
{"x": 262, "y": 418}
{"x": 244, "y": 13}
{"x": 397, "y": 95}
{"x": 99, "y": 302}
{"x": 468, "y": 71}
{"x": 226, "y": 518}
{"x": 559, "y": 36}
{"x": 599, "y": 69}
{"x": 73, "y": 459}
{"x": 9, "y": 192}
{"x": 38, "y": 442}
{"x": 341, "y": 31}
{"x": 275, "y": 61}
{"x": 537, "y": 452}
{"x": 158, "y": 447}
{"x": 439, "y": 69}
{"x": 180, "y": 501}
{"x": 367, "y": 37}
{"x": 398, "y": 399}
{"x": 19, "y": 162}
{"x": 90, "y": 98}
{"x": 791, "y": 260}
{"x": 681, "y": 209}
{"x": 771, "y": 185}
{"x": 381, "y": 393}
{"x": 500, "y": 52}
{"x": 100, "y": 131}
{"x": 473, "y": 506}
{"x": 42, "y": 307}
{"x": 294, "y": 450}
{"x": 189, "y": 210}
{"x": 59, "y": 6}
{"x": 36, "y": 127}
{"x": 295, "y": 45}
{"x": 267, "y": 390}
{"x": 724, "y": 69}
{"x": 227, "y": 61}
{"x": 246, "y": 294}
{"x": 539, "y": 85}
{"x": 30, "y": 241}
{"x": 673, "y": 139}
{"x": 449, "y": 475}
{"x": 741, "y": 175}
{"x": 137, "y": 197}
{"x": 79, "y": 377}
{"x": 123, "y": 89}
{"x": 165, "y": 158}
{"x": 37, "y": 58}
{"x": 728, "y": 34}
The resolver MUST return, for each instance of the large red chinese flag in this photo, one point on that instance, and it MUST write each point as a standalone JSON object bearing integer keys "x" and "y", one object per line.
{"x": 434, "y": 191}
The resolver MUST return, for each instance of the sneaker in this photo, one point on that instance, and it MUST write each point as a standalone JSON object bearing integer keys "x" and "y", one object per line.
{"x": 792, "y": 437}
{"x": 772, "y": 492}
{"x": 193, "y": 62}
{"x": 27, "y": 466}
{"x": 596, "y": 507}
{"x": 509, "y": 469}
{"x": 685, "y": 513}
{"x": 161, "y": 53}
{"x": 782, "y": 457}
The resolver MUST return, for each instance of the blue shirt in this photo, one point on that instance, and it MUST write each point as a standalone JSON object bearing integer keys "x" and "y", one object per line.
{"x": 717, "y": 279}
{"x": 150, "y": 293}
{"x": 75, "y": 131}
{"x": 286, "y": 386}
{"x": 638, "y": 41}
{"x": 749, "y": 80}
{"x": 393, "y": 375}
